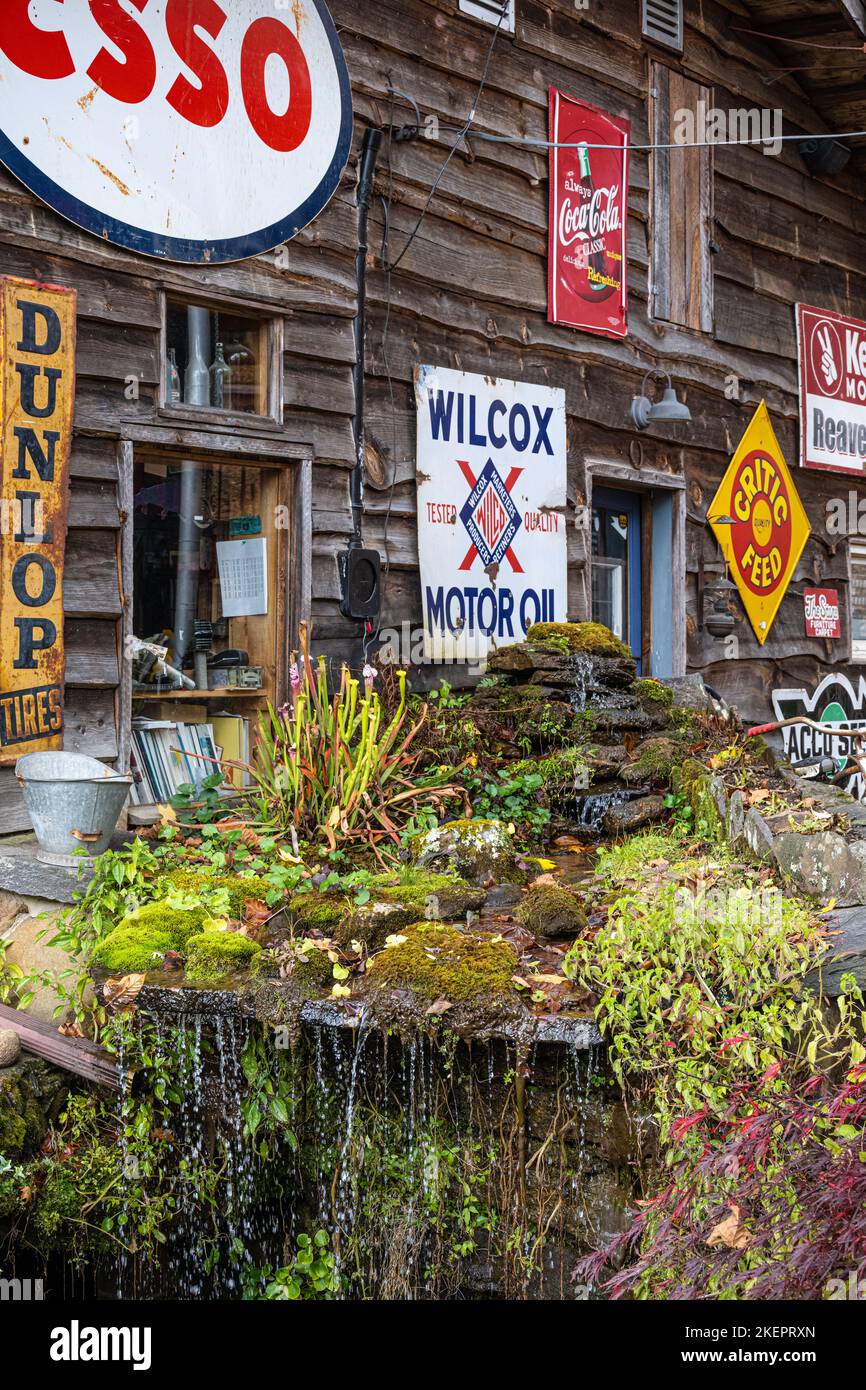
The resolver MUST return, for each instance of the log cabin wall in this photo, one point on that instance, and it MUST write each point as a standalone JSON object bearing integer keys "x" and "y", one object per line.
{"x": 471, "y": 293}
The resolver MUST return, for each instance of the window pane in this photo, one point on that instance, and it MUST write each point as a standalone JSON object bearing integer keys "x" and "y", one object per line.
{"x": 216, "y": 361}
{"x": 205, "y": 574}
{"x": 858, "y": 600}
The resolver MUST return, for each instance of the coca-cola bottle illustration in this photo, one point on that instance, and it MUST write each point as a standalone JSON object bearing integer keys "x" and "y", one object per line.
{"x": 595, "y": 259}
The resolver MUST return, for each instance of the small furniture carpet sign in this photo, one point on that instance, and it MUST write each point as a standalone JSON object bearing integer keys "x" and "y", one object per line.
{"x": 491, "y": 510}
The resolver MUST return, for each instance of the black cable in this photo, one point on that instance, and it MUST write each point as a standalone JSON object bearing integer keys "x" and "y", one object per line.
{"x": 464, "y": 131}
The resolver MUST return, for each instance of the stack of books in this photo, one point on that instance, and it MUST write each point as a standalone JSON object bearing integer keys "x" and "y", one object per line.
{"x": 167, "y": 755}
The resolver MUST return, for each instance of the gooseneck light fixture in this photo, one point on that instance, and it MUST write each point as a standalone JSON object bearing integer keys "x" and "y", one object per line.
{"x": 645, "y": 412}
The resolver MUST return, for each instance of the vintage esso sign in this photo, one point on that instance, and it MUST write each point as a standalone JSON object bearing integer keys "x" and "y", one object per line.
{"x": 832, "y": 351}
{"x": 192, "y": 130}
{"x": 491, "y": 500}
{"x": 759, "y": 521}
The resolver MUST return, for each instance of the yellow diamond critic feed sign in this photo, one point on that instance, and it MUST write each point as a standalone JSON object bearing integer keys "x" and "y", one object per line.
{"x": 760, "y": 524}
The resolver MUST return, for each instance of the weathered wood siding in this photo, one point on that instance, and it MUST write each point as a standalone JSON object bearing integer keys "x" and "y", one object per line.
{"x": 471, "y": 293}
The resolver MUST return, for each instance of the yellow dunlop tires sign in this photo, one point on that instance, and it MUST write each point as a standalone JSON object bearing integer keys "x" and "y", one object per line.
{"x": 759, "y": 521}
{"x": 37, "y": 396}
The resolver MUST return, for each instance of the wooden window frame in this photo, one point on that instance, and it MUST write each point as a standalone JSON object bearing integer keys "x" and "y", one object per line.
{"x": 856, "y": 556}
{"x": 295, "y": 576}
{"x": 271, "y": 324}
{"x": 663, "y": 205}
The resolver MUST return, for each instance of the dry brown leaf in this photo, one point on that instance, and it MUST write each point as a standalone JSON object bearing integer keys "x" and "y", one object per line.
{"x": 441, "y": 1006}
{"x": 122, "y": 991}
{"x": 730, "y": 1232}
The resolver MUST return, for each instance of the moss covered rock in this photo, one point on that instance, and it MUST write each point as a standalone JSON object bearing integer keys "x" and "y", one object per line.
{"x": 319, "y": 911}
{"x": 215, "y": 955}
{"x": 134, "y": 950}
{"x": 241, "y": 888}
{"x": 551, "y": 911}
{"x": 592, "y": 638}
{"x": 479, "y": 851}
{"x": 436, "y": 961}
{"x": 655, "y": 760}
{"x": 180, "y": 923}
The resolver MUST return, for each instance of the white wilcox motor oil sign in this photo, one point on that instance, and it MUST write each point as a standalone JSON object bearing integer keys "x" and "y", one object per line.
{"x": 192, "y": 130}
{"x": 491, "y": 499}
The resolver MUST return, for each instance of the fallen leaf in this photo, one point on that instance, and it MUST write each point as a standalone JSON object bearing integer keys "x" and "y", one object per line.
{"x": 168, "y": 815}
{"x": 730, "y": 1232}
{"x": 441, "y": 1006}
{"x": 122, "y": 991}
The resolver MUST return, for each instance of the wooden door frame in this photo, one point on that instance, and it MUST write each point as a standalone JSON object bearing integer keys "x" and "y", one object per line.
{"x": 294, "y": 461}
{"x": 605, "y": 473}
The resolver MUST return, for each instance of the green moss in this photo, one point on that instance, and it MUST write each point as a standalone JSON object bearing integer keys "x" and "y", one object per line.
{"x": 319, "y": 911}
{"x": 134, "y": 949}
{"x": 13, "y": 1125}
{"x": 552, "y": 911}
{"x": 59, "y": 1203}
{"x": 412, "y": 886}
{"x": 654, "y": 691}
{"x": 217, "y": 954}
{"x": 313, "y": 973}
{"x": 179, "y": 923}
{"x": 592, "y": 638}
{"x": 694, "y": 783}
{"x": 437, "y": 961}
{"x": 559, "y": 771}
{"x": 241, "y": 889}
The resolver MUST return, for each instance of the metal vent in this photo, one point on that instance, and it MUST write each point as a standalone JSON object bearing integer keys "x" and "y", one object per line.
{"x": 491, "y": 11}
{"x": 663, "y": 22}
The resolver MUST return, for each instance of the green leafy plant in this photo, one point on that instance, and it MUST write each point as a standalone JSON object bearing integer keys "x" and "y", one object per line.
{"x": 200, "y": 805}
{"x": 311, "y": 1275}
{"x": 335, "y": 767}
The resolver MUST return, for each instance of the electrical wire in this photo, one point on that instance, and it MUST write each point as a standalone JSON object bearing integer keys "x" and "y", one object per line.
{"x": 533, "y": 143}
{"x": 802, "y": 43}
{"x": 461, "y": 135}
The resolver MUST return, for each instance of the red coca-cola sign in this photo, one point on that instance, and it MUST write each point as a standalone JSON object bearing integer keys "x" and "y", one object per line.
{"x": 822, "y": 613}
{"x": 587, "y": 264}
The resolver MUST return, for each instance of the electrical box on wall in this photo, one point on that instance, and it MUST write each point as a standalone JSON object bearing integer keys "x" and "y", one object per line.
{"x": 360, "y": 582}
{"x": 491, "y": 11}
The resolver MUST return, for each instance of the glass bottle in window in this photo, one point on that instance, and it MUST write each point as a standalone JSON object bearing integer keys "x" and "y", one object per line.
{"x": 197, "y": 371}
{"x": 220, "y": 381}
{"x": 172, "y": 378}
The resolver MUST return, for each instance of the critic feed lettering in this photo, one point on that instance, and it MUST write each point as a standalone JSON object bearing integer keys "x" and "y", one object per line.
{"x": 37, "y": 389}
{"x": 491, "y": 494}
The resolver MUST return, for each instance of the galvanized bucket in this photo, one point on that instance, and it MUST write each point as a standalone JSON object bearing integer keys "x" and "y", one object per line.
{"x": 74, "y": 803}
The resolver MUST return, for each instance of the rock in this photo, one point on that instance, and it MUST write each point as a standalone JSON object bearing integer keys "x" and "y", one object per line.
{"x": 632, "y": 815}
{"x": 623, "y": 720}
{"x": 847, "y": 954}
{"x": 735, "y": 822}
{"x": 28, "y": 948}
{"x": 11, "y": 908}
{"x": 689, "y": 692}
{"x": 524, "y": 657}
{"x": 452, "y": 904}
{"x": 480, "y": 851}
{"x": 654, "y": 761}
{"x": 606, "y": 762}
{"x": 758, "y": 835}
{"x": 552, "y": 911}
{"x": 822, "y": 866}
{"x": 592, "y": 638}
{"x": 10, "y": 1047}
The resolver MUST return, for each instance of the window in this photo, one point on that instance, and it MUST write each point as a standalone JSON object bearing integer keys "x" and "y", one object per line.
{"x": 858, "y": 601}
{"x": 682, "y": 203}
{"x": 663, "y": 22}
{"x": 206, "y": 565}
{"x": 217, "y": 361}
{"x": 491, "y": 11}
{"x": 616, "y": 564}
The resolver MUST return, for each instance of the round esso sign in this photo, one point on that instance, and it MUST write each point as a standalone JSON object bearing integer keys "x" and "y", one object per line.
{"x": 193, "y": 130}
